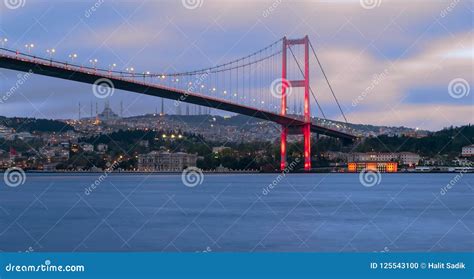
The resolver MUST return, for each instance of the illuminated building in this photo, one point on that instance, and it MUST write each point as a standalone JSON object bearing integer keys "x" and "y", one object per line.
{"x": 468, "y": 151}
{"x": 373, "y": 166}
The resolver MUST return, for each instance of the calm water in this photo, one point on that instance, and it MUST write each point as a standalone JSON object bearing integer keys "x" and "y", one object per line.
{"x": 317, "y": 212}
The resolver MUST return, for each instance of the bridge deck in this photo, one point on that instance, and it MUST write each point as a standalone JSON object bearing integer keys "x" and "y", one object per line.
{"x": 64, "y": 71}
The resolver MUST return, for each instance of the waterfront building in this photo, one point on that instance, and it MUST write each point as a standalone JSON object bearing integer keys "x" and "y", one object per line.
{"x": 404, "y": 158}
{"x": 468, "y": 151}
{"x": 372, "y": 166}
{"x": 371, "y": 157}
{"x": 409, "y": 158}
{"x": 166, "y": 161}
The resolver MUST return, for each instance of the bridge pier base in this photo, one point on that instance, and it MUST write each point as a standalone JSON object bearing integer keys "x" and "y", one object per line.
{"x": 284, "y": 133}
{"x": 307, "y": 146}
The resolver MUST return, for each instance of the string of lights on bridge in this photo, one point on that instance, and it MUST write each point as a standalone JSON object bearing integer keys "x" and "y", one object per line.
{"x": 244, "y": 80}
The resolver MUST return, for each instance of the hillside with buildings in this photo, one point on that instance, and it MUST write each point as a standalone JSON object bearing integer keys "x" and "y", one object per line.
{"x": 156, "y": 142}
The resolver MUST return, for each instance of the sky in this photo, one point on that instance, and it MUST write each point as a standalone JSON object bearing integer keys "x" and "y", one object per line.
{"x": 394, "y": 63}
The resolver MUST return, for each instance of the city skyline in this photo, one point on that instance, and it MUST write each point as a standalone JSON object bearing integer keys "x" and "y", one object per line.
{"x": 411, "y": 52}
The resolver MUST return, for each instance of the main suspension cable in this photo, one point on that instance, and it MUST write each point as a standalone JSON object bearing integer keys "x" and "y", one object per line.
{"x": 327, "y": 80}
{"x": 310, "y": 89}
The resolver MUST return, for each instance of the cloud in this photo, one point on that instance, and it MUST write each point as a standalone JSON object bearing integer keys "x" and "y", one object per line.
{"x": 429, "y": 117}
{"x": 368, "y": 86}
{"x": 373, "y": 57}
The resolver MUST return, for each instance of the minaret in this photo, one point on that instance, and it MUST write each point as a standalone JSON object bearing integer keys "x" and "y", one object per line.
{"x": 121, "y": 109}
{"x": 79, "y": 111}
{"x": 96, "y": 113}
{"x": 162, "y": 106}
{"x": 178, "y": 109}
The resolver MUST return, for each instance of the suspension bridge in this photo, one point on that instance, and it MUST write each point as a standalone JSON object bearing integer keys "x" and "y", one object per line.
{"x": 272, "y": 84}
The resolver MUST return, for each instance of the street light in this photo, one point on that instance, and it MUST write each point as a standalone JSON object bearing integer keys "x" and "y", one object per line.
{"x": 130, "y": 71}
{"x": 72, "y": 56}
{"x": 145, "y": 74}
{"x": 94, "y": 62}
{"x": 29, "y": 47}
{"x": 51, "y": 52}
{"x": 111, "y": 68}
{"x": 4, "y": 42}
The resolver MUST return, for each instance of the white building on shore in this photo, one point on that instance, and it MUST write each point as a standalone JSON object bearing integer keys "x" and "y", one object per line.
{"x": 468, "y": 151}
{"x": 157, "y": 161}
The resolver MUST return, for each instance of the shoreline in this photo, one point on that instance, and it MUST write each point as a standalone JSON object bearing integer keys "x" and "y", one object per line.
{"x": 240, "y": 172}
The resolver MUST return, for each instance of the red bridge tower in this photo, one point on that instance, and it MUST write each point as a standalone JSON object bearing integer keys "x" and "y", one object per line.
{"x": 306, "y": 128}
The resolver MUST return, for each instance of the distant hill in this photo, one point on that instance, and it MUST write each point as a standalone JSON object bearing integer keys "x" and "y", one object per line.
{"x": 241, "y": 120}
{"x": 447, "y": 141}
{"x": 21, "y": 124}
